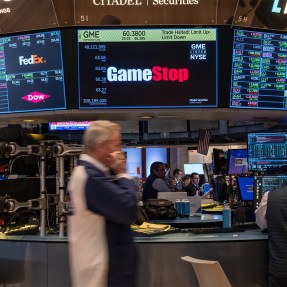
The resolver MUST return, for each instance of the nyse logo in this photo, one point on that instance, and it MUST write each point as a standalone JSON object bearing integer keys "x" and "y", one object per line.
{"x": 277, "y": 9}
{"x": 35, "y": 97}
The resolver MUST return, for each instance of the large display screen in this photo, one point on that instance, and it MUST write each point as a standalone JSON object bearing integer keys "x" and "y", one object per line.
{"x": 31, "y": 73}
{"x": 259, "y": 70}
{"x": 147, "y": 68}
{"x": 237, "y": 161}
{"x": 267, "y": 152}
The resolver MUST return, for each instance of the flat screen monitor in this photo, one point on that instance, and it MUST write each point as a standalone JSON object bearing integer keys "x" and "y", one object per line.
{"x": 189, "y": 168}
{"x": 245, "y": 185}
{"x": 267, "y": 152}
{"x": 219, "y": 161}
{"x": 258, "y": 79}
{"x": 266, "y": 183}
{"x": 31, "y": 73}
{"x": 69, "y": 126}
{"x": 147, "y": 68}
{"x": 237, "y": 161}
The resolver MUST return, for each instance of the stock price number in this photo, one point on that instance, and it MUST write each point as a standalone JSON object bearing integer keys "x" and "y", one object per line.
{"x": 101, "y": 90}
{"x": 137, "y": 35}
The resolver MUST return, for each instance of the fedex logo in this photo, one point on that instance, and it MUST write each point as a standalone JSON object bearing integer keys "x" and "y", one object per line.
{"x": 35, "y": 97}
{"x": 155, "y": 74}
{"x": 34, "y": 59}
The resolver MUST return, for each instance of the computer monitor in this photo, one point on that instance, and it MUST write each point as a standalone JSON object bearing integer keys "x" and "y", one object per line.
{"x": 189, "y": 168}
{"x": 265, "y": 183}
{"x": 267, "y": 152}
{"x": 219, "y": 161}
{"x": 245, "y": 185}
{"x": 237, "y": 161}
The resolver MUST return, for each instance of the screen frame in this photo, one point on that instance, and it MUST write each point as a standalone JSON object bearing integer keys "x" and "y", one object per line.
{"x": 267, "y": 170}
{"x": 217, "y": 30}
{"x": 64, "y": 72}
{"x": 239, "y": 184}
{"x": 249, "y": 29}
{"x": 229, "y": 161}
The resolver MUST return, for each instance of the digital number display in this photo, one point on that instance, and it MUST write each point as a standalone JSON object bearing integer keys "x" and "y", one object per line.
{"x": 259, "y": 70}
{"x": 147, "y": 68}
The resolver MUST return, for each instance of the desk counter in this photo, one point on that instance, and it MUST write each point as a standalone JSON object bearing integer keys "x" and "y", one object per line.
{"x": 34, "y": 261}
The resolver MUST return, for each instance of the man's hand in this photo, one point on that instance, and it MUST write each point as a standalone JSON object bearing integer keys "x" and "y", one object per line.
{"x": 118, "y": 162}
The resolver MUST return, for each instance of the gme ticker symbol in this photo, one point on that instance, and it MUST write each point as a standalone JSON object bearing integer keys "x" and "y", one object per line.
{"x": 35, "y": 97}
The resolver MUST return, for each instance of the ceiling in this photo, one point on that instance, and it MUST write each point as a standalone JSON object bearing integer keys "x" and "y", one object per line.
{"x": 165, "y": 126}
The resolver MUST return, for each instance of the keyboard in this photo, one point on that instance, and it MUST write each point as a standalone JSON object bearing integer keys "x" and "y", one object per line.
{"x": 208, "y": 230}
{"x": 246, "y": 225}
{"x": 22, "y": 230}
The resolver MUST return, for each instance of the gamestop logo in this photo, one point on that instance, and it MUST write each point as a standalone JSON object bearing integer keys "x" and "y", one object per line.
{"x": 35, "y": 97}
{"x": 34, "y": 59}
{"x": 155, "y": 74}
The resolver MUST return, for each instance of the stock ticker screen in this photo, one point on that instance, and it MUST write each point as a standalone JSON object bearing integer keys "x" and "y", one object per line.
{"x": 266, "y": 183}
{"x": 147, "y": 68}
{"x": 267, "y": 152}
{"x": 258, "y": 78}
{"x": 31, "y": 73}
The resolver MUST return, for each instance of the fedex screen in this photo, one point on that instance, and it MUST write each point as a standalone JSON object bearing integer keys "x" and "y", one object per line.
{"x": 147, "y": 68}
{"x": 31, "y": 73}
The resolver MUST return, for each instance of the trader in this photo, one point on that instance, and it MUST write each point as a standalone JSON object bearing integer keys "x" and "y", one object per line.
{"x": 101, "y": 248}
{"x": 155, "y": 182}
{"x": 271, "y": 214}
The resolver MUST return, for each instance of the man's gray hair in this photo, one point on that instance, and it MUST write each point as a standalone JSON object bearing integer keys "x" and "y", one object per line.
{"x": 99, "y": 131}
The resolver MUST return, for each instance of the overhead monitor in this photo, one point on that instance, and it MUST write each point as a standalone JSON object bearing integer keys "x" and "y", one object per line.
{"x": 267, "y": 152}
{"x": 237, "y": 161}
{"x": 259, "y": 64}
{"x": 147, "y": 68}
{"x": 266, "y": 183}
{"x": 245, "y": 185}
{"x": 189, "y": 168}
{"x": 31, "y": 73}
{"x": 69, "y": 126}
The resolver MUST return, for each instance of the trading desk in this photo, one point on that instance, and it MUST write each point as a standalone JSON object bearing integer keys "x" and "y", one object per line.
{"x": 34, "y": 261}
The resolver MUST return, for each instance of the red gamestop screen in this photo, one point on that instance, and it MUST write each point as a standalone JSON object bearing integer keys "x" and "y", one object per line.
{"x": 147, "y": 68}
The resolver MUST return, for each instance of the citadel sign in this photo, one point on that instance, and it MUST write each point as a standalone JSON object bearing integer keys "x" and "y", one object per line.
{"x": 140, "y": 3}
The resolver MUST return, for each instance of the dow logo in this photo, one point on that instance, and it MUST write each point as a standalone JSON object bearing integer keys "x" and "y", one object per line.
{"x": 277, "y": 9}
{"x": 35, "y": 97}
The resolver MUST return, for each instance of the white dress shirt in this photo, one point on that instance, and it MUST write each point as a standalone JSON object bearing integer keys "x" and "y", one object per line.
{"x": 260, "y": 212}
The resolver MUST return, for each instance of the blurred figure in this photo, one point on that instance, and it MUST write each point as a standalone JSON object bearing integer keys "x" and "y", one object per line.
{"x": 155, "y": 182}
{"x": 271, "y": 215}
{"x": 101, "y": 248}
{"x": 185, "y": 182}
{"x": 176, "y": 182}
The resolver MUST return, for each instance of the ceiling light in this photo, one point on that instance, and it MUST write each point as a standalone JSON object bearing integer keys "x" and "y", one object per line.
{"x": 146, "y": 117}
{"x": 168, "y": 116}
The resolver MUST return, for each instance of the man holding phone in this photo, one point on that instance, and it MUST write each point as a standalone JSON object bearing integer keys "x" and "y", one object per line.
{"x": 103, "y": 196}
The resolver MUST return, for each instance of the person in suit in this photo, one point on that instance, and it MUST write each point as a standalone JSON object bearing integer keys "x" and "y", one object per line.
{"x": 176, "y": 180}
{"x": 193, "y": 188}
{"x": 155, "y": 182}
{"x": 271, "y": 216}
{"x": 103, "y": 198}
